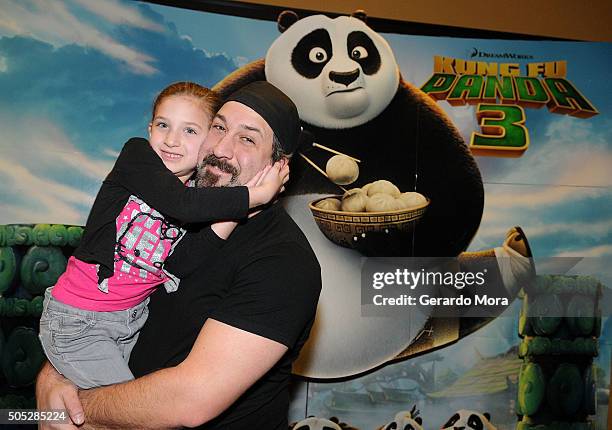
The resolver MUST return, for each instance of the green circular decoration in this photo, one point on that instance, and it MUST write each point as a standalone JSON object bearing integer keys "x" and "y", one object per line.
{"x": 9, "y": 268}
{"x": 58, "y": 235}
{"x": 531, "y": 388}
{"x": 41, "y": 234}
{"x": 581, "y": 315}
{"x": 545, "y": 313}
{"x": 589, "y": 404}
{"x": 24, "y": 235}
{"x": 22, "y": 358}
{"x": 2, "y": 342}
{"x": 74, "y": 236}
{"x": 35, "y": 306}
{"x": 565, "y": 390}
{"x": 524, "y": 328}
{"x": 540, "y": 346}
{"x": 40, "y": 268}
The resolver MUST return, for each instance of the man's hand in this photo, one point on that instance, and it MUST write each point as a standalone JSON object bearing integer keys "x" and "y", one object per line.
{"x": 269, "y": 184}
{"x": 53, "y": 391}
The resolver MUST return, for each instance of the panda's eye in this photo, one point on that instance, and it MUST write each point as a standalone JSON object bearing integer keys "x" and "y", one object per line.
{"x": 359, "y": 53}
{"x": 317, "y": 55}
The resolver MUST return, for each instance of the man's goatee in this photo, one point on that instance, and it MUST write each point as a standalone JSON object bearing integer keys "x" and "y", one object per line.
{"x": 205, "y": 178}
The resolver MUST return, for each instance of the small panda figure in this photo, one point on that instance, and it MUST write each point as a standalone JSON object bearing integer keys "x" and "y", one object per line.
{"x": 405, "y": 420}
{"x": 315, "y": 423}
{"x": 469, "y": 420}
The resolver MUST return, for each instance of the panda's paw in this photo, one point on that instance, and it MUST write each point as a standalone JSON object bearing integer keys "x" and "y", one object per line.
{"x": 517, "y": 241}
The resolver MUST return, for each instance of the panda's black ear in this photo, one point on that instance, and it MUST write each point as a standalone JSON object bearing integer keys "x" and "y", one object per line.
{"x": 360, "y": 15}
{"x": 334, "y": 420}
{"x": 286, "y": 19}
{"x": 419, "y": 420}
{"x": 487, "y": 416}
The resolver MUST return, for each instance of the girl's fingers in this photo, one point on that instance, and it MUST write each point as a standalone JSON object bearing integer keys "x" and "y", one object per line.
{"x": 254, "y": 181}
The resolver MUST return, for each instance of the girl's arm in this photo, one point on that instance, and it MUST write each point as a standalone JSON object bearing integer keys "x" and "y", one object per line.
{"x": 140, "y": 170}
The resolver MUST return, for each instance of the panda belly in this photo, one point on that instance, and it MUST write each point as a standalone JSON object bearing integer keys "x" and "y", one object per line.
{"x": 343, "y": 342}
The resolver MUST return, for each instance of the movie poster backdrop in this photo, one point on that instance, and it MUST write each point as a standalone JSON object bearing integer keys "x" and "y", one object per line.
{"x": 457, "y": 147}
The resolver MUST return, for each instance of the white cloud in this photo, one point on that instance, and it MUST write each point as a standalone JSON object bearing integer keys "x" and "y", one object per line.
{"x": 537, "y": 196}
{"x": 572, "y": 154}
{"x": 241, "y": 61}
{"x": 43, "y": 146}
{"x": 111, "y": 153}
{"x": 594, "y": 230}
{"x": 54, "y": 23}
{"x": 508, "y": 205}
{"x": 40, "y": 153}
{"x": 595, "y": 251}
{"x": 118, "y": 13}
{"x": 48, "y": 201}
{"x": 493, "y": 228}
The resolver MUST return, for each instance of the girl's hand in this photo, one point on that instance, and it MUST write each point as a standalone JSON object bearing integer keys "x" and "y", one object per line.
{"x": 269, "y": 184}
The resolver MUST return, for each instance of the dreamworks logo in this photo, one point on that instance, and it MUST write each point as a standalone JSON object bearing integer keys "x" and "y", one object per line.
{"x": 475, "y": 53}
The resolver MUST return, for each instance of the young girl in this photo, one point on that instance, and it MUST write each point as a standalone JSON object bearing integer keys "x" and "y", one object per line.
{"x": 93, "y": 314}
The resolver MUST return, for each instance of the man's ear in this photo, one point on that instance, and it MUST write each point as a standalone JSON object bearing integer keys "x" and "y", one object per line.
{"x": 149, "y": 128}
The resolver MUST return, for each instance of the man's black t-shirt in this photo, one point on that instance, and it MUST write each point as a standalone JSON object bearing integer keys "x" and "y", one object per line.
{"x": 265, "y": 280}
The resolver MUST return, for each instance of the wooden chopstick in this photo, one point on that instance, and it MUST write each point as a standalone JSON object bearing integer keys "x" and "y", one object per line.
{"x": 318, "y": 169}
{"x": 316, "y": 145}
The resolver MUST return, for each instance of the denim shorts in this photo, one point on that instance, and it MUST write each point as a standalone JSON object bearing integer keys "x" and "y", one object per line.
{"x": 90, "y": 348}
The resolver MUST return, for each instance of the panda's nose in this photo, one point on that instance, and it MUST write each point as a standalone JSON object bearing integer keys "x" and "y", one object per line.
{"x": 344, "y": 78}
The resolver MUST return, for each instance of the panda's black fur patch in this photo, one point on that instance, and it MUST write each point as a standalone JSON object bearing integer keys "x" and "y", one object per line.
{"x": 369, "y": 64}
{"x": 451, "y": 421}
{"x": 474, "y": 422}
{"x": 300, "y": 57}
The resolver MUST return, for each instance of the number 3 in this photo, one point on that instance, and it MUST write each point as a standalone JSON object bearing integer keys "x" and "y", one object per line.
{"x": 503, "y": 131}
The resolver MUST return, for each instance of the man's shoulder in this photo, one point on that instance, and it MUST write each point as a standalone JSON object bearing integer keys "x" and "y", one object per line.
{"x": 277, "y": 228}
{"x": 278, "y": 241}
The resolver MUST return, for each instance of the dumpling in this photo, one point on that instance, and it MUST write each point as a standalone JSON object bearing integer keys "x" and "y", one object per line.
{"x": 383, "y": 187}
{"x": 330, "y": 203}
{"x": 412, "y": 199}
{"x": 342, "y": 170}
{"x": 402, "y": 203}
{"x": 380, "y": 202}
{"x": 354, "y": 200}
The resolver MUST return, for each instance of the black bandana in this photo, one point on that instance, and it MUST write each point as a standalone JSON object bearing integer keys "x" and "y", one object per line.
{"x": 275, "y": 107}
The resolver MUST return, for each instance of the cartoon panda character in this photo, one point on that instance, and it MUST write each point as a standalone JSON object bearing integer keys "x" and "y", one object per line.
{"x": 469, "y": 420}
{"x": 405, "y": 420}
{"x": 315, "y": 423}
{"x": 351, "y": 97}
{"x": 346, "y": 83}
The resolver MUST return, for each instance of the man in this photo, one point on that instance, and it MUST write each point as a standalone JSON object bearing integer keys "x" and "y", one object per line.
{"x": 225, "y": 341}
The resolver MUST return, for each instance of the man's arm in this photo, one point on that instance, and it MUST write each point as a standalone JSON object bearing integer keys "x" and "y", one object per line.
{"x": 223, "y": 363}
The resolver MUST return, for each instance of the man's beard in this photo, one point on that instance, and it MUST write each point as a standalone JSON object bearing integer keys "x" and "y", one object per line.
{"x": 206, "y": 178}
